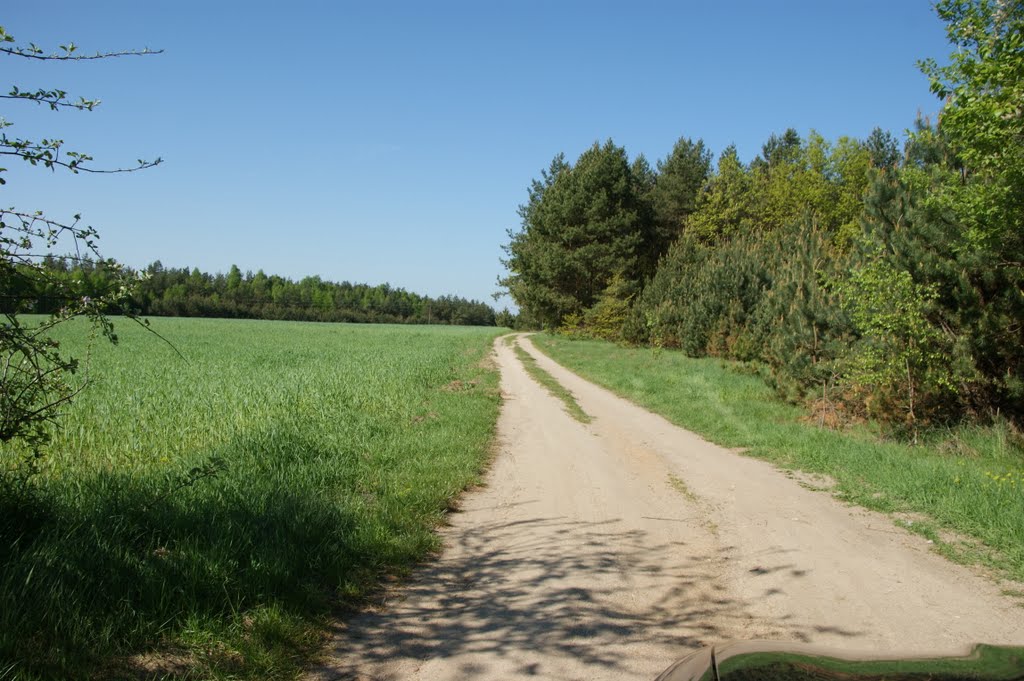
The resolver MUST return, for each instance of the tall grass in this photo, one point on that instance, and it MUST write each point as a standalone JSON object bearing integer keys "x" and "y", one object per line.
{"x": 969, "y": 481}
{"x": 209, "y": 512}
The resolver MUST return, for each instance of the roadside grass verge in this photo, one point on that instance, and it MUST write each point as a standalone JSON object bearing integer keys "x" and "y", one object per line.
{"x": 551, "y": 385}
{"x": 962, "y": 488}
{"x": 203, "y": 518}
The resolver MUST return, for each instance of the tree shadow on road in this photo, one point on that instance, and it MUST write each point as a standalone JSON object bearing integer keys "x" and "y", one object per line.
{"x": 540, "y": 595}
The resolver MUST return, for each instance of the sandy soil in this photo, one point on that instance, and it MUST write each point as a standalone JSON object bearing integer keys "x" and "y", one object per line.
{"x": 610, "y": 550}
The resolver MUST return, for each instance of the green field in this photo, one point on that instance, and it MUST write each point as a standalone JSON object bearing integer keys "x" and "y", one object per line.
{"x": 334, "y": 451}
{"x": 963, "y": 488}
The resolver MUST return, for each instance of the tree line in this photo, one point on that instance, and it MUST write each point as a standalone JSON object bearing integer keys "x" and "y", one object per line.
{"x": 870, "y": 278}
{"x": 184, "y": 292}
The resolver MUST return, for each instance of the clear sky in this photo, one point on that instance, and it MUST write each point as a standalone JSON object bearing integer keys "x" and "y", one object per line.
{"x": 393, "y": 141}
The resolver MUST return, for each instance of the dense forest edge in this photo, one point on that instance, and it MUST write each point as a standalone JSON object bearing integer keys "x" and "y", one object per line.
{"x": 865, "y": 278}
{"x": 160, "y": 291}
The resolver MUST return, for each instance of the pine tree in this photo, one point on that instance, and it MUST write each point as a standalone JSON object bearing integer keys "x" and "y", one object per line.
{"x": 681, "y": 178}
{"x": 583, "y": 226}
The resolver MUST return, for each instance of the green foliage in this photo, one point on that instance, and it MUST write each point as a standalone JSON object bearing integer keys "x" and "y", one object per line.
{"x": 762, "y": 294}
{"x": 848, "y": 172}
{"x": 799, "y": 326}
{"x": 781, "y": 149}
{"x": 655, "y": 315}
{"x": 337, "y": 450}
{"x": 180, "y": 292}
{"x": 901, "y": 360}
{"x": 725, "y": 208}
{"x": 724, "y": 291}
{"x": 607, "y": 317}
{"x": 505, "y": 319}
{"x": 793, "y": 180}
{"x": 910, "y": 223}
{"x": 39, "y": 378}
{"x": 927, "y": 258}
{"x": 983, "y": 84}
{"x": 582, "y": 226}
{"x": 882, "y": 149}
{"x": 892, "y": 289}
{"x": 966, "y": 201}
{"x": 758, "y": 297}
{"x": 681, "y": 178}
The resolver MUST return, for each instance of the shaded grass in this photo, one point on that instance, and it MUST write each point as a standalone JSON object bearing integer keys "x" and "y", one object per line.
{"x": 552, "y": 385}
{"x": 337, "y": 450}
{"x": 968, "y": 481}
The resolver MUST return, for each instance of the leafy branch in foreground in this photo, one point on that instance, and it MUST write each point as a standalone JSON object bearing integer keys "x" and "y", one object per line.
{"x": 66, "y": 53}
{"x": 50, "y": 153}
{"x": 36, "y": 376}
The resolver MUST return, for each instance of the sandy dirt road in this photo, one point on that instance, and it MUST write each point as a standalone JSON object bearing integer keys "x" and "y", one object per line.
{"x": 611, "y": 549}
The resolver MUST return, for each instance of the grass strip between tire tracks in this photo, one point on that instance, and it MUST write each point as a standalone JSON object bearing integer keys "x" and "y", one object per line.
{"x": 552, "y": 385}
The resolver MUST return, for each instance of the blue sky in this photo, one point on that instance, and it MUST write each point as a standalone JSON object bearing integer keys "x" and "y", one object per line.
{"x": 393, "y": 141}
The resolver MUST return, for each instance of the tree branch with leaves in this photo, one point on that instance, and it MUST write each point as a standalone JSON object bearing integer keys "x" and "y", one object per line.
{"x": 37, "y": 378}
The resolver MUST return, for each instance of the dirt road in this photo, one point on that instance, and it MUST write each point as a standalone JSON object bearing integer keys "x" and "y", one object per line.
{"x": 611, "y": 549}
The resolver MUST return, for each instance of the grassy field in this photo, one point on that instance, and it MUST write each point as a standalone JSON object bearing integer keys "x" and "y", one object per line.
{"x": 201, "y": 517}
{"x": 964, "y": 488}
